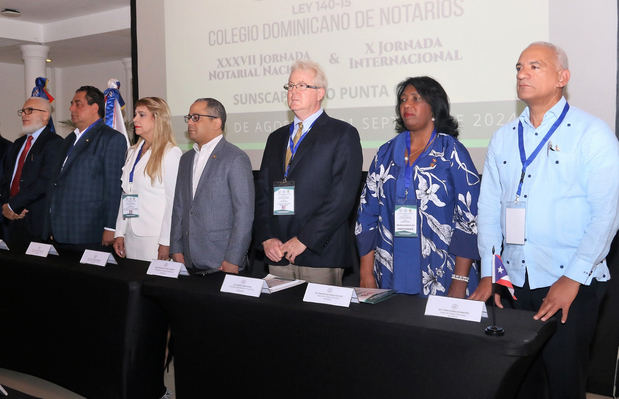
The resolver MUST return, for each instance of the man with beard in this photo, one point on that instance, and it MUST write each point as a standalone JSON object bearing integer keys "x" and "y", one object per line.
{"x": 26, "y": 174}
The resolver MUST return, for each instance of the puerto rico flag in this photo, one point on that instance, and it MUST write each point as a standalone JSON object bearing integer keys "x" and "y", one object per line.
{"x": 500, "y": 276}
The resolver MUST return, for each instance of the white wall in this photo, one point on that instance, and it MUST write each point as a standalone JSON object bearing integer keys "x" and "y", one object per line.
{"x": 587, "y": 31}
{"x": 11, "y": 100}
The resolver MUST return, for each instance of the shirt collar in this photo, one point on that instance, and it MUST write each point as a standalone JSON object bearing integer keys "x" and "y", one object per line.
{"x": 550, "y": 116}
{"x": 308, "y": 122}
{"x": 36, "y": 134}
{"x": 208, "y": 146}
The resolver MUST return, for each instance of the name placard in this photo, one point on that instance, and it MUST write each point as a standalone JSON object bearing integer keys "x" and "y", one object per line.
{"x": 165, "y": 268}
{"x": 40, "y": 249}
{"x": 454, "y": 308}
{"x": 97, "y": 258}
{"x": 328, "y": 294}
{"x": 248, "y": 286}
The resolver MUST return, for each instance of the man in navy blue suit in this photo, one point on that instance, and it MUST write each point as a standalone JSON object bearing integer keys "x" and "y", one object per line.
{"x": 25, "y": 176}
{"x": 85, "y": 190}
{"x": 307, "y": 186}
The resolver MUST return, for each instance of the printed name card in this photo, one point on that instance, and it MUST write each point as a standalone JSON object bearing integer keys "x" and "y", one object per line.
{"x": 165, "y": 268}
{"x": 97, "y": 258}
{"x": 248, "y": 286}
{"x": 3, "y": 245}
{"x": 454, "y": 308}
{"x": 328, "y": 294}
{"x": 40, "y": 249}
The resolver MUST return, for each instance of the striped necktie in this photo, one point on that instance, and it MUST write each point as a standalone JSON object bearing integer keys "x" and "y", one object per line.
{"x": 295, "y": 140}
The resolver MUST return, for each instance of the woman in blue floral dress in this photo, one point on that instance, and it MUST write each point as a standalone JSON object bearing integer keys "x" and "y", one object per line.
{"x": 416, "y": 225}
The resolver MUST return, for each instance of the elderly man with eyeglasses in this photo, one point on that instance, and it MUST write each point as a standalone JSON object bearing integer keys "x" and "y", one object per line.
{"x": 213, "y": 206}
{"x": 25, "y": 176}
{"x": 309, "y": 181}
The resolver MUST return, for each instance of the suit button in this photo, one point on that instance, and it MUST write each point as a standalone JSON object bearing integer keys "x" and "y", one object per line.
{"x": 55, "y": 184}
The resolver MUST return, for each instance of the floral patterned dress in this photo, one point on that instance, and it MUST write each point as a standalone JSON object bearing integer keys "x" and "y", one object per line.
{"x": 446, "y": 185}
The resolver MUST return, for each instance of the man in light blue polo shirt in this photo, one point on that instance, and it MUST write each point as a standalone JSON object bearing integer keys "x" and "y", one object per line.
{"x": 549, "y": 199}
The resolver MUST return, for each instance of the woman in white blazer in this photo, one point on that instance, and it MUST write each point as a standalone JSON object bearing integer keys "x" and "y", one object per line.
{"x": 148, "y": 182}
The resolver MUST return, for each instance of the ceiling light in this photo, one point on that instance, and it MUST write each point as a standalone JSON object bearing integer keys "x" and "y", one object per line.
{"x": 48, "y": 60}
{"x": 10, "y": 12}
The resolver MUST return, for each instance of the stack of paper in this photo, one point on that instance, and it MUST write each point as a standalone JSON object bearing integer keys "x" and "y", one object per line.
{"x": 371, "y": 295}
{"x": 274, "y": 283}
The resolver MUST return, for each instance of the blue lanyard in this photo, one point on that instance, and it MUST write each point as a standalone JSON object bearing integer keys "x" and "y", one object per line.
{"x": 292, "y": 146}
{"x": 408, "y": 171}
{"x": 137, "y": 159}
{"x": 523, "y": 158}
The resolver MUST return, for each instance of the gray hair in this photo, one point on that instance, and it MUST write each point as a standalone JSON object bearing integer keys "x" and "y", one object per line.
{"x": 320, "y": 78}
{"x": 44, "y": 103}
{"x": 559, "y": 52}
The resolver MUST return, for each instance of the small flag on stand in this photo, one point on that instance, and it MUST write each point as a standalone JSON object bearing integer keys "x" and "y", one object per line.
{"x": 40, "y": 90}
{"x": 114, "y": 104}
{"x": 500, "y": 276}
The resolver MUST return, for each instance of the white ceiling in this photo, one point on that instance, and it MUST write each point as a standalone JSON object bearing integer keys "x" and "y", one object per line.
{"x": 88, "y": 44}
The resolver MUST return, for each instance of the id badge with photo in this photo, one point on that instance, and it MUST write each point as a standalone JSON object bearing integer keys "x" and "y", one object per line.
{"x": 130, "y": 206}
{"x": 283, "y": 198}
{"x": 405, "y": 220}
{"x": 515, "y": 218}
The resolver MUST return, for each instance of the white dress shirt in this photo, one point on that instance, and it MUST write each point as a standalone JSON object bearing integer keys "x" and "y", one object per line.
{"x": 200, "y": 160}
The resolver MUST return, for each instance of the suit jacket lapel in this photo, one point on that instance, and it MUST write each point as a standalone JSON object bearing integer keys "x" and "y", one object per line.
{"x": 82, "y": 144}
{"x": 210, "y": 164}
{"x": 308, "y": 141}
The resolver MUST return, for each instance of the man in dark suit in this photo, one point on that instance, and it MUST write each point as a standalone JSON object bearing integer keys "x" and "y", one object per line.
{"x": 307, "y": 186}
{"x": 85, "y": 189}
{"x": 214, "y": 196}
{"x": 26, "y": 172}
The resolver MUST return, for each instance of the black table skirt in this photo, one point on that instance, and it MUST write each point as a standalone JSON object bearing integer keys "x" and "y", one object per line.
{"x": 279, "y": 346}
{"x": 83, "y": 327}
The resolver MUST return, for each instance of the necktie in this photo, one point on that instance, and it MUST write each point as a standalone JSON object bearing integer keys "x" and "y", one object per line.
{"x": 295, "y": 140}
{"x": 20, "y": 166}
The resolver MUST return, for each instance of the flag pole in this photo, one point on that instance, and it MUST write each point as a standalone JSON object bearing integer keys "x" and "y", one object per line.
{"x": 493, "y": 329}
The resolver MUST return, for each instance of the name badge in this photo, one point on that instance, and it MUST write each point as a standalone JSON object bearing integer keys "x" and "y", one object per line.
{"x": 130, "y": 206}
{"x": 515, "y": 217}
{"x": 406, "y": 221}
{"x": 283, "y": 198}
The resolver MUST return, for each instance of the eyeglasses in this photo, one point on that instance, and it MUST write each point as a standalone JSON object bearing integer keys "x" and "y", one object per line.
{"x": 196, "y": 117}
{"x": 299, "y": 86}
{"x": 28, "y": 111}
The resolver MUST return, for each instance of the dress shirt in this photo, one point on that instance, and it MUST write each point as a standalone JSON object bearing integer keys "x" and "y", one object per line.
{"x": 200, "y": 160}
{"x": 571, "y": 191}
{"x": 307, "y": 123}
{"x": 35, "y": 136}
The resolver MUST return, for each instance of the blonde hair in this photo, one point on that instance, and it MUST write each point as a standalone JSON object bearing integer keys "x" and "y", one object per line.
{"x": 162, "y": 135}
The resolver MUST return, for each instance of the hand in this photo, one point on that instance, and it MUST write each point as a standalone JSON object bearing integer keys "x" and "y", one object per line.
{"x": 368, "y": 281}
{"x": 178, "y": 257}
{"x": 457, "y": 289}
{"x": 293, "y": 248}
{"x": 10, "y": 215}
{"x": 560, "y": 296}
{"x": 229, "y": 267}
{"x": 119, "y": 246}
{"x": 108, "y": 238}
{"x": 273, "y": 249}
{"x": 163, "y": 252}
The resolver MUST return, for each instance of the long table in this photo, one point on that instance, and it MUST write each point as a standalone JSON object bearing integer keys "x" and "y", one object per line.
{"x": 83, "y": 327}
{"x": 279, "y": 346}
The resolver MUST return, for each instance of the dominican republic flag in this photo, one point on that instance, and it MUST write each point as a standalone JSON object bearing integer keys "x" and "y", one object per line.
{"x": 40, "y": 90}
{"x": 500, "y": 276}
{"x": 114, "y": 104}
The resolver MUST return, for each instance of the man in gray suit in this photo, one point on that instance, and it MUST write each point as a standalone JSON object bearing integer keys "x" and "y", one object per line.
{"x": 214, "y": 198}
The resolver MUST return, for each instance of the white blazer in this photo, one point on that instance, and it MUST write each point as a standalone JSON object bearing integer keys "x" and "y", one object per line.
{"x": 155, "y": 200}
